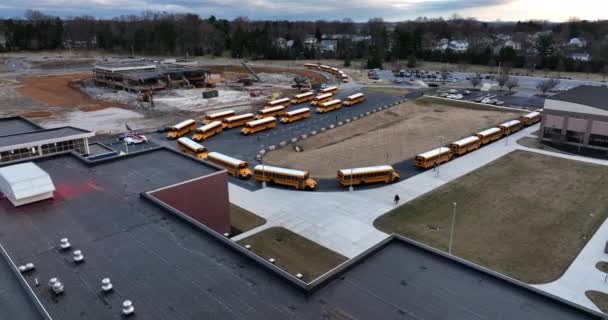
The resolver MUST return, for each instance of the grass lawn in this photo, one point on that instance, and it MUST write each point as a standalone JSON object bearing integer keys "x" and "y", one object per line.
{"x": 600, "y": 299}
{"x": 430, "y": 100}
{"x": 386, "y": 90}
{"x": 602, "y": 266}
{"x": 242, "y": 220}
{"x": 525, "y": 215}
{"x": 293, "y": 253}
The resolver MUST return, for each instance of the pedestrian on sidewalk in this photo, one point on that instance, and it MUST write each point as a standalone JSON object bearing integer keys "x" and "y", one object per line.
{"x": 396, "y": 199}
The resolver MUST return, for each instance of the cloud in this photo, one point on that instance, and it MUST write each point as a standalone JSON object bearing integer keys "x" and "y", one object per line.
{"x": 359, "y": 10}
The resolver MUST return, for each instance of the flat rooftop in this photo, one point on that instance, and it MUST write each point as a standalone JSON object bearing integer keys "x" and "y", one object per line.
{"x": 14, "y": 302}
{"x": 170, "y": 269}
{"x": 16, "y": 125}
{"x": 63, "y": 133}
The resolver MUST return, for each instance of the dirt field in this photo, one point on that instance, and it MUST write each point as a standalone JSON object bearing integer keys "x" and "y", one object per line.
{"x": 55, "y": 90}
{"x": 389, "y": 136}
{"x": 293, "y": 253}
{"x": 600, "y": 299}
{"x": 233, "y": 72}
{"x": 525, "y": 215}
{"x": 242, "y": 220}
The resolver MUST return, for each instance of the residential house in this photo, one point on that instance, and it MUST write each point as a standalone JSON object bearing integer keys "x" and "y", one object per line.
{"x": 459, "y": 45}
{"x": 280, "y": 43}
{"x": 583, "y": 57}
{"x": 577, "y": 42}
{"x": 310, "y": 41}
{"x": 328, "y": 46}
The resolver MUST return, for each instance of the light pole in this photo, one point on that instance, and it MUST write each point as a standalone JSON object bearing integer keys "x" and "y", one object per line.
{"x": 263, "y": 168}
{"x": 440, "y": 138}
{"x": 452, "y": 228}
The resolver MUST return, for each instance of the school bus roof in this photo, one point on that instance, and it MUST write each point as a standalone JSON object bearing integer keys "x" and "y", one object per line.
{"x": 330, "y": 88}
{"x": 355, "y": 96}
{"x": 366, "y": 169}
{"x": 261, "y": 121}
{"x": 311, "y": 64}
{"x": 329, "y": 103}
{"x": 278, "y": 170}
{"x": 209, "y": 126}
{"x": 323, "y": 96}
{"x": 466, "y": 141}
{"x": 278, "y": 101}
{"x": 434, "y": 152}
{"x": 240, "y": 116}
{"x": 225, "y": 158}
{"x": 297, "y": 111}
{"x": 532, "y": 114}
{"x": 219, "y": 114}
{"x": 302, "y": 95}
{"x": 183, "y": 124}
{"x": 488, "y": 132}
{"x": 325, "y": 67}
{"x": 273, "y": 109}
{"x": 510, "y": 123}
{"x": 189, "y": 143}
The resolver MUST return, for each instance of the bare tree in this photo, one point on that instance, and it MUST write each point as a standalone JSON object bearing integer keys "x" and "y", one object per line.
{"x": 502, "y": 79}
{"x": 547, "y": 85}
{"x": 476, "y": 80}
{"x": 512, "y": 83}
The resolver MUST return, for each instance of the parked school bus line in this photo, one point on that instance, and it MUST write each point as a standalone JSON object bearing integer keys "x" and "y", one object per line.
{"x": 302, "y": 97}
{"x": 321, "y": 99}
{"x": 355, "y": 176}
{"x": 510, "y": 127}
{"x": 465, "y": 145}
{"x": 181, "y": 129}
{"x": 279, "y": 102}
{"x": 233, "y": 166}
{"x": 288, "y": 177}
{"x": 296, "y": 115}
{"x": 271, "y": 112}
{"x": 531, "y": 118}
{"x": 218, "y": 116}
{"x": 489, "y": 135}
{"x": 434, "y": 157}
{"x": 207, "y": 131}
{"x": 259, "y": 125}
{"x": 237, "y": 121}
{"x": 192, "y": 148}
{"x": 354, "y": 99}
{"x": 329, "y": 106}
{"x": 331, "y": 90}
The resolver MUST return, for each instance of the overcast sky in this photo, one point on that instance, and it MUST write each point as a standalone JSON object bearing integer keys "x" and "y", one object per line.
{"x": 358, "y": 10}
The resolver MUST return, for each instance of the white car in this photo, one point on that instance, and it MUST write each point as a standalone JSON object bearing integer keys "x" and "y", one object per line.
{"x": 135, "y": 139}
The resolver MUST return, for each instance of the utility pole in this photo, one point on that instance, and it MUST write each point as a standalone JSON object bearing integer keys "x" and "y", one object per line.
{"x": 452, "y": 228}
{"x": 263, "y": 169}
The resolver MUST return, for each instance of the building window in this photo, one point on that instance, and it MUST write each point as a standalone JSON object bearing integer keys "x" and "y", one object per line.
{"x": 598, "y": 140}
{"x": 574, "y": 136}
{"x": 552, "y": 133}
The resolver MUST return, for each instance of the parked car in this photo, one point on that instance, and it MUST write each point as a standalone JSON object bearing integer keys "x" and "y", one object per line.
{"x": 466, "y": 92}
{"x": 132, "y": 138}
{"x": 499, "y": 103}
{"x": 398, "y": 81}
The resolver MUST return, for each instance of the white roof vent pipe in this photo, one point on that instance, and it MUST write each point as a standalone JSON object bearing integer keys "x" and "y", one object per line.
{"x": 64, "y": 244}
{"x": 106, "y": 285}
{"x": 78, "y": 256}
{"x": 56, "y": 286}
{"x": 128, "y": 308}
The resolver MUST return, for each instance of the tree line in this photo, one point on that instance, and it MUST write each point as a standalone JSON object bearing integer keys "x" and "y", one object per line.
{"x": 190, "y": 35}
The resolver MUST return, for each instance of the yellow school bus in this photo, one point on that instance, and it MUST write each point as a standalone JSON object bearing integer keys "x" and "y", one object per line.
{"x": 430, "y": 158}
{"x": 279, "y": 102}
{"x": 235, "y": 167}
{"x": 329, "y": 106}
{"x": 465, "y": 145}
{"x": 181, "y": 129}
{"x": 325, "y": 68}
{"x": 311, "y": 66}
{"x": 271, "y": 112}
{"x": 296, "y": 115}
{"x": 207, "y": 131}
{"x": 259, "y": 125}
{"x": 334, "y": 71}
{"x": 489, "y": 135}
{"x": 302, "y": 97}
{"x": 321, "y": 99}
{"x": 218, "y": 116}
{"x": 510, "y": 127}
{"x": 344, "y": 77}
{"x": 354, "y": 99}
{"x": 192, "y": 148}
{"x": 331, "y": 90}
{"x": 355, "y": 176}
{"x": 237, "y": 121}
{"x": 288, "y": 177}
{"x": 531, "y": 118}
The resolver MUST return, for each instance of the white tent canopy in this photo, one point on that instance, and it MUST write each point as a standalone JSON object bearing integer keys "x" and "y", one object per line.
{"x": 25, "y": 183}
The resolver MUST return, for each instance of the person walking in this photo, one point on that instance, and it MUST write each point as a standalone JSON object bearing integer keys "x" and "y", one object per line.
{"x": 396, "y": 199}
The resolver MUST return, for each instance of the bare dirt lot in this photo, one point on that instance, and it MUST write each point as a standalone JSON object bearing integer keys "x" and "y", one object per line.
{"x": 389, "y": 136}
{"x": 526, "y": 215}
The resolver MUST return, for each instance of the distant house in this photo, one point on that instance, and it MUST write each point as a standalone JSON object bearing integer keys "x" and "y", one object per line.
{"x": 289, "y": 43}
{"x": 512, "y": 44}
{"x": 442, "y": 44}
{"x": 310, "y": 41}
{"x": 328, "y": 46}
{"x": 280, "y": 43}
{"x": 2, "y": 40}
{"x": 503, "y": 37}
{"x": 583, "y": 57}
{"x": 459, "y": 45}
{"x": 577, "y": 42}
